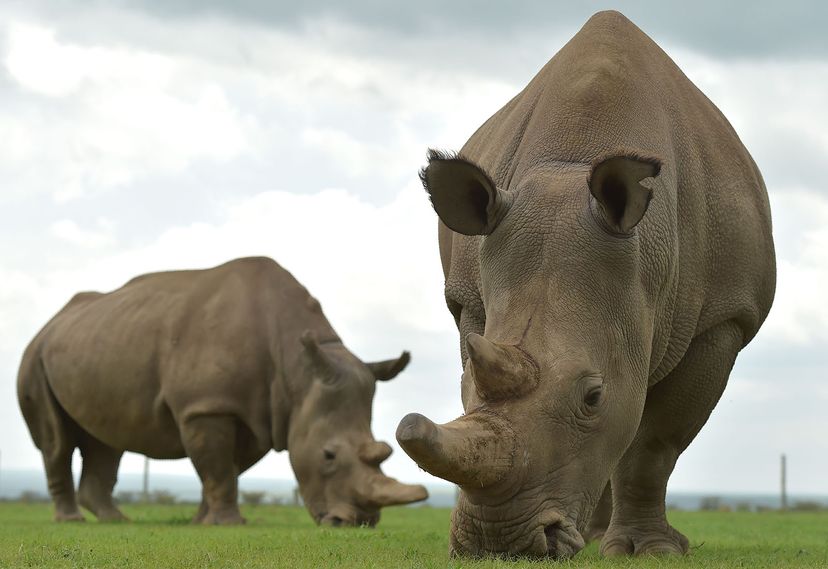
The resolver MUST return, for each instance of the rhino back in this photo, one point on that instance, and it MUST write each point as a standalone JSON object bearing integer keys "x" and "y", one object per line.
{"x": 130, "y": 365}
{"x": 706, "y": 239}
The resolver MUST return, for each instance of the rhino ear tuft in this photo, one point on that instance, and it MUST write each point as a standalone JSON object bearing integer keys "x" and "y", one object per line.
{"x": 463, "y": 195}
{"x": 389, "y": 369}
{"x": 614, "y": 182}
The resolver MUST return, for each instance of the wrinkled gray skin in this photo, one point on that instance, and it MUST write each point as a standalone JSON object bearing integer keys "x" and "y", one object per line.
{"x": 220, "y": 365}
{"x": 606, "y": 243}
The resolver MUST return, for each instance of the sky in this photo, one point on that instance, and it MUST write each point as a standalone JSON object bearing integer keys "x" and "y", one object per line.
{"x": 138, "y": 136}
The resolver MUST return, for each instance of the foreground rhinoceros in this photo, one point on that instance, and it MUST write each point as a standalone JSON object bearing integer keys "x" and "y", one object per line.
{"x": 219, "y": 365}
{"x": 606, "y": 243}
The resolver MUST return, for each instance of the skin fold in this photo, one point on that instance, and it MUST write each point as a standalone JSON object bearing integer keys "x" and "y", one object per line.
{"x": 219, "y": 365}
{"x": 606, "y": 244}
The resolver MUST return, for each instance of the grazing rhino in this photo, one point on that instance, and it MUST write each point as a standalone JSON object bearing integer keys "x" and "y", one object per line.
{"x": 219, "y": 365}
{"x": 606, "y": 243}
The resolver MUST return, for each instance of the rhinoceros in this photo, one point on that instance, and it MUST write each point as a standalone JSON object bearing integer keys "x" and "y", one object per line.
{"x": 219, "y": 365}
{"x": 606, "y": 244}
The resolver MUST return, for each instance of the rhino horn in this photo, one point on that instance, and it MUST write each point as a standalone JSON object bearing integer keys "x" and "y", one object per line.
{"x": 387, "y": 491}
{"x": 374, "y": 452}
{"x": 500, "y": 371}
{"x": 473, "y": 451}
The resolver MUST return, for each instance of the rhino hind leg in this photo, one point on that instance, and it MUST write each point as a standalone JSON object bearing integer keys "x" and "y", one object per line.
{"x": 675, "y": 411}
{"x": 54, "y": 433}
{"x": 210, "y": 442}
{"x": 98, "y": 477}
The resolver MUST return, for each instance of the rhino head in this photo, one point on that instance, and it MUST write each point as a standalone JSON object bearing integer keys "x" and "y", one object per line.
{"x": 332, "y": 450}
{"x": 555, "y": 315}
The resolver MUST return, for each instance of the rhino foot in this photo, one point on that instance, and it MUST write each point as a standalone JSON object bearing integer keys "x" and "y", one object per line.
{"x": 625, "y": 540}
{"x": 112, "y": 516}
{"x": 75, "y": 516}
{"x": 223, "y": 519}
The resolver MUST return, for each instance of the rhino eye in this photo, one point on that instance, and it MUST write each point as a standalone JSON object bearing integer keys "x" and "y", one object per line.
{"x": 329, "y": 454}
{"x": 593, "y": 397}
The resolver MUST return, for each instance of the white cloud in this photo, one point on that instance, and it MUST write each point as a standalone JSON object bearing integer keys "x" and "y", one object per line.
{"x": 132, "y": 113}
{"x": 800, "y": 315}
{"x": 69, "y": 231}
{"x": 39, "y": 62}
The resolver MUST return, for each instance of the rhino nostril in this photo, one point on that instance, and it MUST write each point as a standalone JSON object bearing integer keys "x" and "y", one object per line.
{"x": 562, "y": 539}
{"x": 336, "y": 521}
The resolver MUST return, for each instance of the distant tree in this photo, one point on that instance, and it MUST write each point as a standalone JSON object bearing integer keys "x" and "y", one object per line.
{"x": 126, "y": 497}
{"x": 164, "y": 497}
{"x": 808, "y": 506}
{"x": 31, "y": 497}
{"x": 252, "y": 498}
{"x": 710, "y": 504}
{"x": 744, "y": 507}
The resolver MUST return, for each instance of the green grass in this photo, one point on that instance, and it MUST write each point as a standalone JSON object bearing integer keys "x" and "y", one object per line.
{"x": 161, "y": 536}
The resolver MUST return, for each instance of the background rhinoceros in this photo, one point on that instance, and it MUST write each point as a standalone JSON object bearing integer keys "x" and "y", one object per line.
{"x": 606, "y": 243}
{"x": 219, "y": 365}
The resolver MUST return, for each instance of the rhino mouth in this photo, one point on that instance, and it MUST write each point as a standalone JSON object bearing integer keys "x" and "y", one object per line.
{"x": 363, "y": 519}
{"x": 549, "y": 536}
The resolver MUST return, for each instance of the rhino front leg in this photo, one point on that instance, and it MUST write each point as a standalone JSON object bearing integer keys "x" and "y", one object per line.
{"x": 210, "y": 442}
{"x": 246, "y": 456}
{"x": 203, "y": 508}
{"x": 98, "y": 477}
{"x": 675, "y": 411}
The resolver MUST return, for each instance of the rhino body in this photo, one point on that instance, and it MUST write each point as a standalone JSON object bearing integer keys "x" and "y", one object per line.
{"x": 219, "y": 365}
{"x": 606, "y": 243}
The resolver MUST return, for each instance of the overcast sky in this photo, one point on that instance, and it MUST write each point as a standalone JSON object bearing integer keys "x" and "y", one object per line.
{"x": 141, "y": 136}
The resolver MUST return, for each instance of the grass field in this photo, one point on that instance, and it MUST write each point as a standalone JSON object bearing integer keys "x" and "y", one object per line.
{"x": 161, "y": 536}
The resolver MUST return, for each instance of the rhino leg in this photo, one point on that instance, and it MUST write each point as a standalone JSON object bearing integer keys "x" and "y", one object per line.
{"x": 203, "y": 508}
{"x": 210, "y": 442}
{"x": 55, "y": 434}
{"x": 675, "y": 411}
{"x": 98, "y": 477}
{"x": 246, "y": 457}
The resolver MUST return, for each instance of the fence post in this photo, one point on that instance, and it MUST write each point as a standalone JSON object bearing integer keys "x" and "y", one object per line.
{"x": 145, "y": 493}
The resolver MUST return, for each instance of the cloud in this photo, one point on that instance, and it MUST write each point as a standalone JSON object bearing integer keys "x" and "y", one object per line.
{"x": 127, "y": 115}
{"x": 729, "y": 29}
{"x": 69, "y": 231}
{"x": 800, "y": 314}
{"x": 775, "y": 107}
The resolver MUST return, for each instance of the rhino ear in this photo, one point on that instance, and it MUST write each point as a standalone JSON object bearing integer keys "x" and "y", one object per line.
{"x": 389, "y": 369}
{"x": 615, "y": 184}
{"x": 319, "y": 358}
{"x": 463, "y": 195}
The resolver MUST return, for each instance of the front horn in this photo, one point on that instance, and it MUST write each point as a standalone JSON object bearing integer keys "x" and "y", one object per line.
{"x": 473, "y": 451}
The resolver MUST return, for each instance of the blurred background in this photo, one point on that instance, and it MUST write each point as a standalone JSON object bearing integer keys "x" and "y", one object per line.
{"x": 138, "y": 136}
